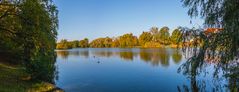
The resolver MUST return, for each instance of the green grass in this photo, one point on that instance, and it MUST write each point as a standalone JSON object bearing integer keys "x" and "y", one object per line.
{"x": 13, "y": 79}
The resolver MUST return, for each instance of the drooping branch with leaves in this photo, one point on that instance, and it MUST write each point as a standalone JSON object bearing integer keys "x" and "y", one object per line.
{"x": 220, "y": 46}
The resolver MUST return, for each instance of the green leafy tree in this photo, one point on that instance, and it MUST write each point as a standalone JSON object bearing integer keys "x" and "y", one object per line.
{"x": 145, "y": 37}
{"x": 98, "y": 43}
{"x": 115, "y": 42}
{"x": 108, "y": 42}
{"x": 101, "y": 43}
{"x": 164, "y": 35}
{"x": 84, "y": 43}
{"x": 63, "y": 44}
{"x": 75, "y": 44}
{"x": 30, "y": 26}
{"x": 128, "y": 40}
{"x": 155, "y": 32}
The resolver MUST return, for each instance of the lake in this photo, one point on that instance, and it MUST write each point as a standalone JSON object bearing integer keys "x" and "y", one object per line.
{"x": 128, "y": 70}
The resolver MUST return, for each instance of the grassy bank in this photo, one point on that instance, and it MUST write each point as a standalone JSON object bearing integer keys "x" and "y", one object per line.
{"x": 14, "y": 79}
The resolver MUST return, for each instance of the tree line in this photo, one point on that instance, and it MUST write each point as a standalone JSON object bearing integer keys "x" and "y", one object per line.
{"x": 155, "y": 37}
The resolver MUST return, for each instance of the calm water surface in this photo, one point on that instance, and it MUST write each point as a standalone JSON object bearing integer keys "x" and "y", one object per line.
{"x": 124, "y": 70}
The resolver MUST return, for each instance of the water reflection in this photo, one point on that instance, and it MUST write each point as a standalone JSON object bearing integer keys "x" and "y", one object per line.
{"x": 84, "y": 53}
{"x": 154, "y": 56}
{"x": 177, "y": 56}
{"x": 103, "y": 53}
{"x": 127, "y": 55}
{"x": 129, "y": 67}
{"x": 64, "y": 54}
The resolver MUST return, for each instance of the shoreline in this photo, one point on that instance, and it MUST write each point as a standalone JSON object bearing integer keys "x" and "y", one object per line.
{"x": 14, "y": 79}
{"x": 168, "y": 46}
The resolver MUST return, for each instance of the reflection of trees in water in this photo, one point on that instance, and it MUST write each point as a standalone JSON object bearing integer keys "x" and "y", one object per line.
{"x": 159, "y": 56}
{"x": 127, "y": 55}
{"x": 84, "y": 53}
{"x": 176, "y": 56}
{"x": 103, "y": 53}
{"x": 63, "y": 54}
{"x": 145, "y": 56}
{"x": 164, "y": 57}
{"x": 74, "y": 53}
{"x": 155, "y": 56}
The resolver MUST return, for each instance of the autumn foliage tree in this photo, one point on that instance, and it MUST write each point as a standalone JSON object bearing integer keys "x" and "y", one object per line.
{"x": 128, "y": 40}
{"x": 154, "y": 38}
{"x": 164, "y": 35}
{"x": 145, "y": 37}
{"x": 84, "y": 43}
{"x": 101, "y": 43}
{"x": 63, "y": 44}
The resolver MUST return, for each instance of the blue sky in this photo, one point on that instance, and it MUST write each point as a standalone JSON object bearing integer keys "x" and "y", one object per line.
{"x": 91, "y": 19}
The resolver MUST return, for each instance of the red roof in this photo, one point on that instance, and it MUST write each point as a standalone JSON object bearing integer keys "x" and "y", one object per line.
{"x": 212, "y": 30}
